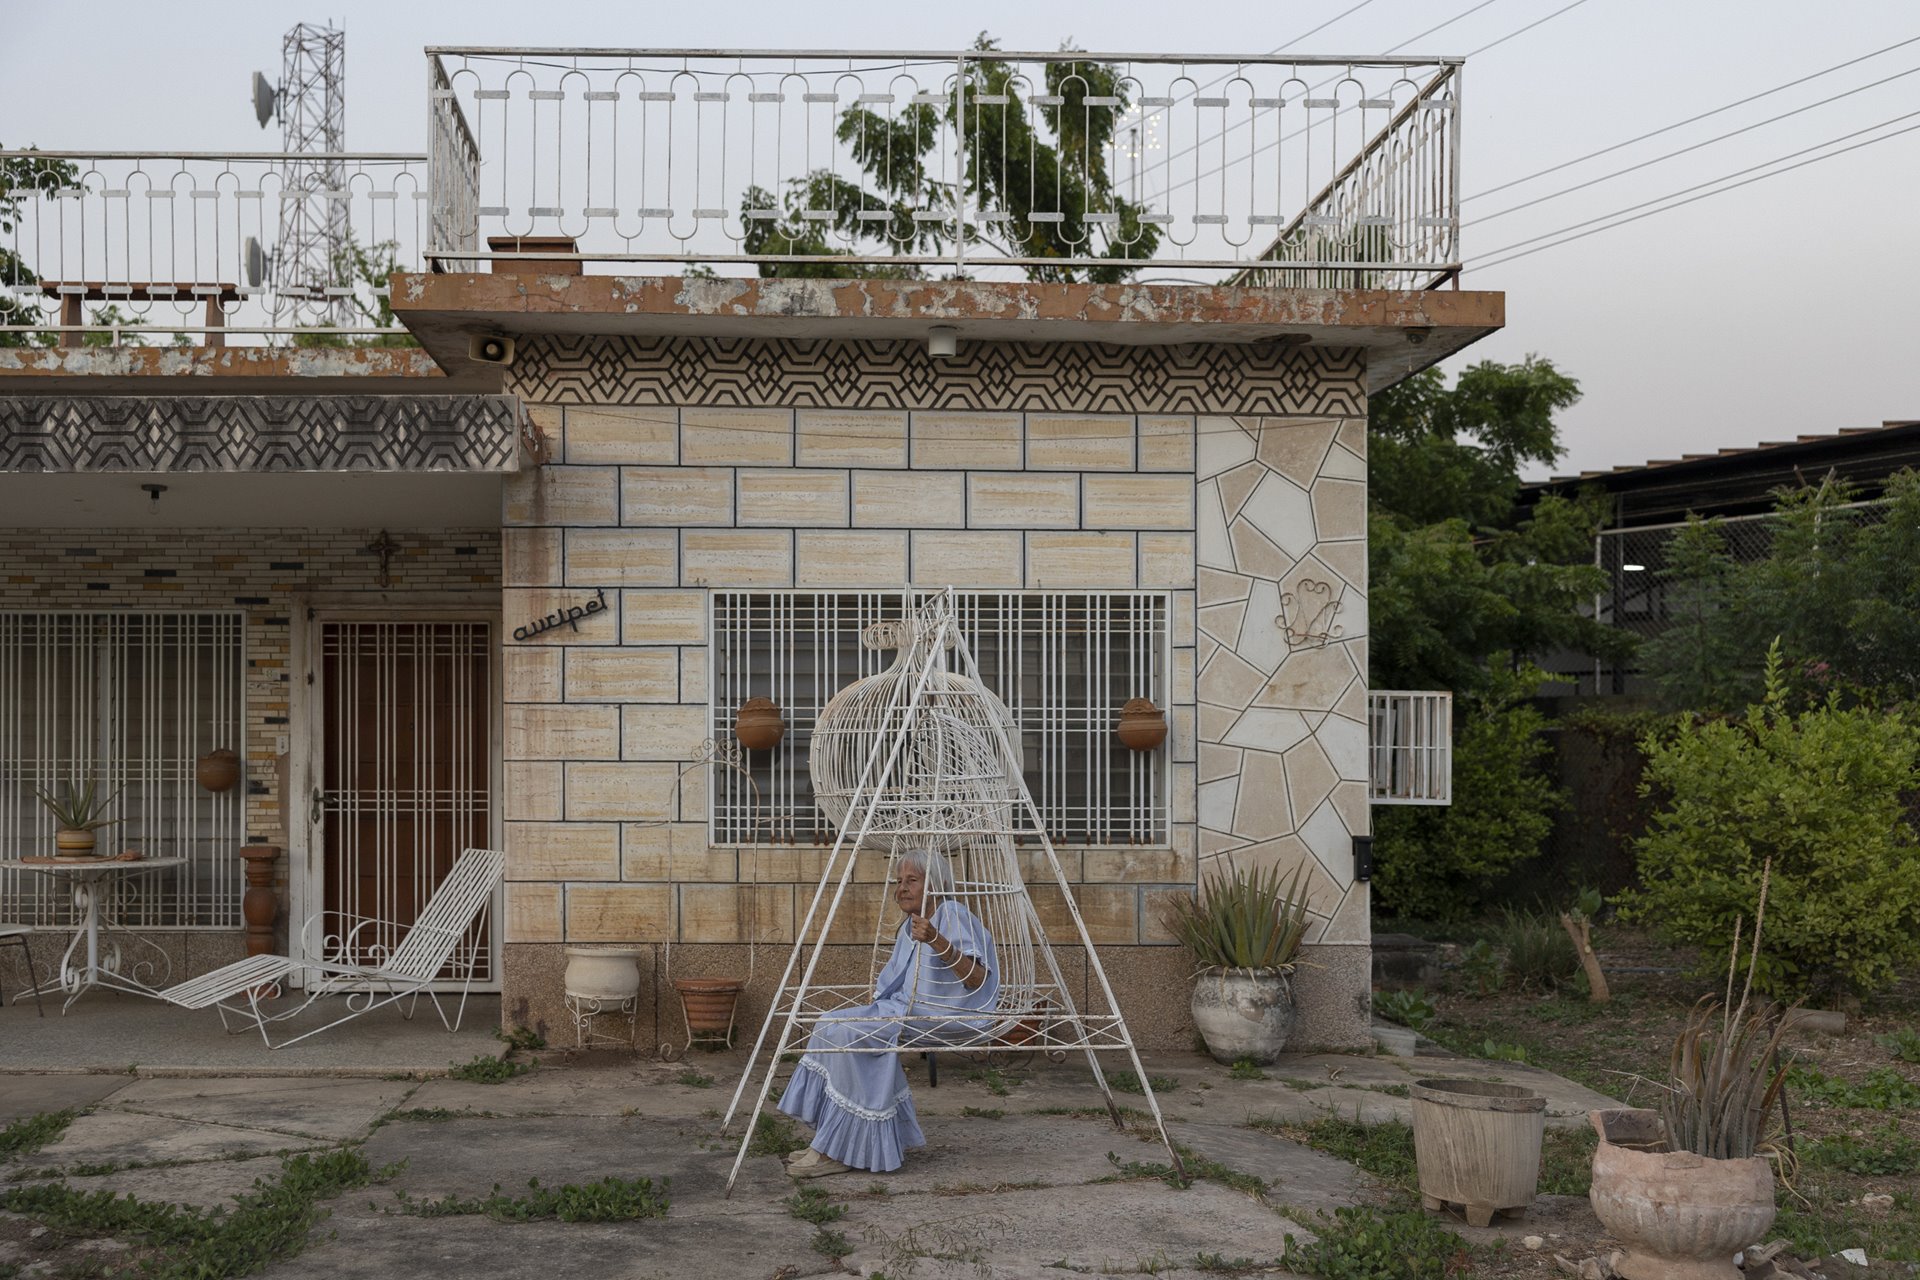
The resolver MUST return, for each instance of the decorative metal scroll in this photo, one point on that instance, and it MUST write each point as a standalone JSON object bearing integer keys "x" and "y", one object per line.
{"x": 1307, "y": 614}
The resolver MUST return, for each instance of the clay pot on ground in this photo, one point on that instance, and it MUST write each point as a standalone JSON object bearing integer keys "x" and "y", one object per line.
{"x": 73, "y": 844}
{"x": 1142, "y": 726}
{"x": 1243, "y": 1013}
{"x": 1477, "y": 1145}
{"x": 217, "y": 770}
{"x": 758, "y": 726}
{"x": 1681, "y": 1216}
{"x": 709, "y": 1003}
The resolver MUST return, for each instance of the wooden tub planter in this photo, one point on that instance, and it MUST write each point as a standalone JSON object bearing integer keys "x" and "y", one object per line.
{"x": 1477, "y": 1145}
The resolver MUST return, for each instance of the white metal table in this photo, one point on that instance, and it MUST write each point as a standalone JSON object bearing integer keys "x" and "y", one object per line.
{"x": 87, "y": 963}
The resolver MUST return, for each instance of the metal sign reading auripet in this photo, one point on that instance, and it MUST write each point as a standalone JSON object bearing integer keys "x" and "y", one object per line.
{"x": 567, "y": 617}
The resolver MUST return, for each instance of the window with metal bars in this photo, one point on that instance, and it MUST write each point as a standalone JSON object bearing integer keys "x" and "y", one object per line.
{"x": 132, "y": 701}
{"x": 1064, "y": 664}
{"x": 1410, "y": 739}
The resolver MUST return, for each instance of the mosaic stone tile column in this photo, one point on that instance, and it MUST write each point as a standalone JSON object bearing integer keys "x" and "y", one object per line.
{"x": 1281, "y": 511}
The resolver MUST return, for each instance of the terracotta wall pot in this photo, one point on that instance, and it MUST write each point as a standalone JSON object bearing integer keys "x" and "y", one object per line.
{"x": 603, "y": 973}
{"x": 68, "y": 843}
{"x": 1681, "y": 1216}
{"x": 759, "y": 726}
{"x": 1477, "y": 1145}
{"x": 1243, "y": 1013}
{"x": 709, "y": 1003}
{"x": 217, "y": 770}
{"x": 1142, "y": 726}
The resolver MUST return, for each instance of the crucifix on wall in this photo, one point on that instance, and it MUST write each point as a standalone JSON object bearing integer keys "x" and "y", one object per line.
{"x": 384, "y": 546}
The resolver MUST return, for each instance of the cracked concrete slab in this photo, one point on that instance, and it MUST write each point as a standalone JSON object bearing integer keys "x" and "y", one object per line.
{"x": 23, "y": 1095}
{"x": 206, "y": 1184}
{"x": 124, "y": 1137}
{"x": 335, "y": 1110}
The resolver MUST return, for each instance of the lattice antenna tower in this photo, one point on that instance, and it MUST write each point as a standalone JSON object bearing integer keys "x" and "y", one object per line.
{"x": 313, "y": 120}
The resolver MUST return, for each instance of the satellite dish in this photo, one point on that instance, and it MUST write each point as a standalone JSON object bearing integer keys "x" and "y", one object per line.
{"x": 256, "y": 264}
{"x": 265, "y": 98}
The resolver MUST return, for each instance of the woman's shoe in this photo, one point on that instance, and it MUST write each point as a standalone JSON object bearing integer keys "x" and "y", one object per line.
{"x": 813, "y": 1164}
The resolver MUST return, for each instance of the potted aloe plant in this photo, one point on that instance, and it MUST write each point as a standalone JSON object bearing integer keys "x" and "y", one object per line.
{"x": 77, "y": 813}
{"x": 1688, "y": 1185}
{"x": 1245, "y": 931}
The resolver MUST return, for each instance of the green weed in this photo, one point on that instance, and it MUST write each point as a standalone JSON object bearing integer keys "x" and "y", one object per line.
{"x": 522, "y": 1038}
{"x": 486, "y": 1069}
{"x": 24, "y": 1137}
{"x": 1883, "y": 1089}
{"x": 810, "y": 1204}
{"x": 1408, "y": 1008}
{"x": 774, "y": 1136}
{"x": 694, "y": 1079}
{"x": 1246, "y": 1069}
{"x": 1885, "y": 1154}
{"x": 1903, "y": 1044}
{"x": 1129, "y": 1082}
{"x": 1362, "y": 1243}
{"x": 831, "y": 1244}
{"x": 982, "y": 1113}
{"x": 610, "y": 1199}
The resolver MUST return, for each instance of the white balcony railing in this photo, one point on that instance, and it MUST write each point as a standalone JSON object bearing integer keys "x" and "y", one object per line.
{"x": 1411, "y": 739}
{"x": 204, "y": 243}
{"x": 982, "y": 164}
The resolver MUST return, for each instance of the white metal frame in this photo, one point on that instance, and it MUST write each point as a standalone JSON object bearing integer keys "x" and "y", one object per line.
{"x": 920, "y": 756}
{"x": 1410, "y": 746}
{"x": 174, "y": 798}
{"x": 306, "y": 875}
{"x": 777, "y": 807}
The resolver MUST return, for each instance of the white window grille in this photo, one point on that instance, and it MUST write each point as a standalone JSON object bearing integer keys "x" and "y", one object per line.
{"x": 131, "y": 700}
{"x": 1411, "y": 735}
{"x": 1063, "y": 663}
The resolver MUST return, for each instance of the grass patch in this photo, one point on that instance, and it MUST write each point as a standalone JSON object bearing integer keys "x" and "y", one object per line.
{"x": 24, "y": 1137}
{"x": 1883, "y": 1089}
{"x": 270, "y": 1223}
{"x": 1197, "y": 1167}
{"x": 1129, "y": 1082}
{"x": 811, "y": 1204}
{"x": 982, "y": 1113}
{"x": 608, "y": 1200}
{"x": 997, "y": 1082}
{"x": 1245, "y": 1069}
{"x": 1566, "y": 1161}
{"x": 1384, "y": 1150}
{"x": 1876, "y": 1155}
{"x": 1371, "y": 1244}
{"x": 1903, "y": 1044}
{"x": 694, "y": 1079}
{"x": 831, "y": 1244}
{"x": 775, "y": 1136}
{"x": 433, "y": 1115}
{"x": 486, "y": 1069}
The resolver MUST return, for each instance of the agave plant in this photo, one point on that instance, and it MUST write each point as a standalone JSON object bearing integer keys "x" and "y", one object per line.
{"x": 78, "y": 808}
{"x": 1724, "y": 1080}
{"x": 1249, "y": 920}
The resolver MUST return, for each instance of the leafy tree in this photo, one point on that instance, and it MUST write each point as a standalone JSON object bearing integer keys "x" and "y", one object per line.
{"x": 1011, "y": 165}
{"x": 368, "y": 269}
{"x": 1820, "y": 795}
{"x": 19, "y": 177}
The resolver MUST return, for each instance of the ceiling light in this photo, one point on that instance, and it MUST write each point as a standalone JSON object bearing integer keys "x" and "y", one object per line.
{"x": 1633, "y": 568}
{"x": 943, "y": 341}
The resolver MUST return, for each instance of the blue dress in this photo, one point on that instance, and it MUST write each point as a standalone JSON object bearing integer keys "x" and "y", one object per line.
{"x": 858, "y": 1103}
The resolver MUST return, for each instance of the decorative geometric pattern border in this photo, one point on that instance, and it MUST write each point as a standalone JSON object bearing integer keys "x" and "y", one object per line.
{"x": 258, "y": 433}
{"x": 1077, "y": 377}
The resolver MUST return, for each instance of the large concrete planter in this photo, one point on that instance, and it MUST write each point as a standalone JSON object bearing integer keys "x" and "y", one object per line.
{"x": 1244, "y": 1013}
{"x": 1477, "y": 1145}
{"x": 607, "y": 974}
{"x": 1680, "y": 1215}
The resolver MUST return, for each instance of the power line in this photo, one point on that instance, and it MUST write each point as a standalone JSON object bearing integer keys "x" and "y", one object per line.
{"x": 1681, "y": 124}
{"x": 1758, "y": 124}
{"x": 1483, "y": 264}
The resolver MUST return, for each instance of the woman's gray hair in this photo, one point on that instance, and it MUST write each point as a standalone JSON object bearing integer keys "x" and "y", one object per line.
{"x": 934, "y": 869}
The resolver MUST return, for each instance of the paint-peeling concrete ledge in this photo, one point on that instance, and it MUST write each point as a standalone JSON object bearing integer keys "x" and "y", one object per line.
{"x": 1404, "y": 331}
{"x": 235, "y": 370}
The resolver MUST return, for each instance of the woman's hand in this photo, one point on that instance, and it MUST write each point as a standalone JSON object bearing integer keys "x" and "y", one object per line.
{"x": 970, "y": 973}
{"x": 922, "y": 930}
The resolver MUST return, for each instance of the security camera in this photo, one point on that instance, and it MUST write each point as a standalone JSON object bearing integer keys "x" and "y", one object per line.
{"x": 490, "y": 348}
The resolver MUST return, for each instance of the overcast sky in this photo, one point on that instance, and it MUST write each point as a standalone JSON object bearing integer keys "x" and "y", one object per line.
{"x": 1784, "y": 307}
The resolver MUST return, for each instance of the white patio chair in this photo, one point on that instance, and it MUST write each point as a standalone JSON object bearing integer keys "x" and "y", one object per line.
{"x": 17, "y": 935}
{"x": 429, "y": 947}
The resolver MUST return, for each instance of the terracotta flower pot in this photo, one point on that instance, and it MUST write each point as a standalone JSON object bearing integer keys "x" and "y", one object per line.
{"x": 759, "y": 726}
{"x": 1243, "y": 1013}
{"x": 1142, "y": 726}
{"x": 1681, "y": 1216}
{"x": 1477, "y": 1145}
{"x": 709, "y": 1003}
{"x": 75, "y": 845}
{"x": 217, "y": 770}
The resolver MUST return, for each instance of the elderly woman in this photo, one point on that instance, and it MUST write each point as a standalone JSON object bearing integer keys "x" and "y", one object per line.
{"x": 858, "y": 1102}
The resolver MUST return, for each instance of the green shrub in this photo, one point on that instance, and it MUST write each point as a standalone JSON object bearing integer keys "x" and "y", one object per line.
{"x": 1435, "y": 861}
{"x": 1361, "y": 1243}
{"x": 1540, "y": 955}
{"x": 1903, "y": 1044}
{"x": 1483, "y": 968}
{"x": 1819, "y": 793}
{"x": 1408, "y": 1008}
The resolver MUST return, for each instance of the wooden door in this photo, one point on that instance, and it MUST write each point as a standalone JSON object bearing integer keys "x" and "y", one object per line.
{"x": 405, "y": 771}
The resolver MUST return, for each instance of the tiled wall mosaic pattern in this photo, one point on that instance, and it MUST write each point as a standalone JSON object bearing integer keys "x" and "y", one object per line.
{"x": 1243, "y": 378}
{"x": 258, "y": 433}
{"x": 264, "y": 572}
{"x": 1282, "y": 651}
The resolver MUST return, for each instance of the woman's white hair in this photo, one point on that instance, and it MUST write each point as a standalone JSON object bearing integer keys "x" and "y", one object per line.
{"x": 935, "y": 871}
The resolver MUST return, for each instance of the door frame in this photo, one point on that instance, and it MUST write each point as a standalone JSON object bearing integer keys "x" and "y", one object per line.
{"x": 306, "y": 883}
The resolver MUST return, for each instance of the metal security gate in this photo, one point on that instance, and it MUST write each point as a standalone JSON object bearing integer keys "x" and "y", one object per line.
{"x": 402, "y": 774}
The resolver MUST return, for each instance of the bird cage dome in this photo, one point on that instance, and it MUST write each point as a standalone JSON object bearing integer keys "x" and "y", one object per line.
{"x": 951, "y": 782}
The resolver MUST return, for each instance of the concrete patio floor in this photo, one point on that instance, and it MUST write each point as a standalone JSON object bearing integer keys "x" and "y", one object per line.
{"x": 1017, "y": 1179}
{"x": 133, "y": 1035}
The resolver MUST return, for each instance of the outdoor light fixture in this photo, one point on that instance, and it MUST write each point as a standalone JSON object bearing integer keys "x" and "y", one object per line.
{"x": 943, "y": 342}
{"x": 1633, "y": 568}
{"x": 153, "y": 492}
{"x": 1363, "y": 858}
{"x": 1417, "y": 333}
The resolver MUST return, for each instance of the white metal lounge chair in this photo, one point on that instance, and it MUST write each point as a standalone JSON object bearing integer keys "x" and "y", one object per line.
{"x": 439, "y": 941}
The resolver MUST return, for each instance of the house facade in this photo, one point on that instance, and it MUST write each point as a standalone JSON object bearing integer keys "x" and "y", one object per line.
{"x": 501, "y": 588}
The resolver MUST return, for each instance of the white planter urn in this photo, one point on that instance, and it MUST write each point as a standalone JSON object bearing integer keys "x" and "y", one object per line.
{"x": 607, "y": 974}
{"x": 1244, "y": 1013}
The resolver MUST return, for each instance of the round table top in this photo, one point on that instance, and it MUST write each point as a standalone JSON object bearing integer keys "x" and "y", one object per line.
{"x": 91, "y": 867}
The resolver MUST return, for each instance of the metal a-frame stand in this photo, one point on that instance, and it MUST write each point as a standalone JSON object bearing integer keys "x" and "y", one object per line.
{"x": 1046, "y": 1016}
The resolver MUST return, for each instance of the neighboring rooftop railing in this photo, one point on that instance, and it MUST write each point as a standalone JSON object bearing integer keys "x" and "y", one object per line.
{"x": 985, "y": 164}
{"x": 153, "y": 243}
